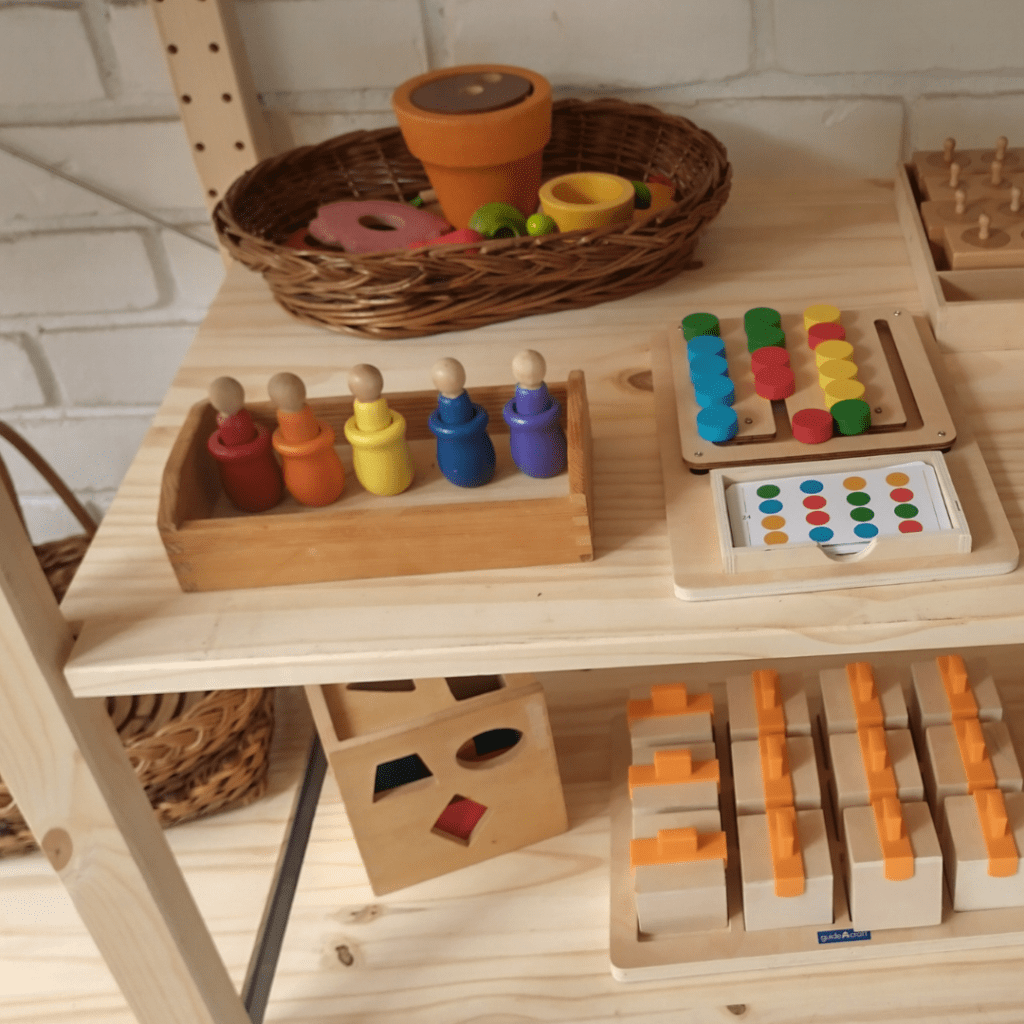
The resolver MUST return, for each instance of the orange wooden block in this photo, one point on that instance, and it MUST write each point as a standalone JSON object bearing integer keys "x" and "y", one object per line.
{"x": 771, "y": 716}
{"x": 962, "y": 702}
{"x": 878, "y": 767}
{"x": 669, "y": 699}
{"x": 864, "y": 693}
{"x": 676, "y": 846}
{"x": 787, "y": 857}
{"x": 974, "y": 755}
{"x": 897, "y": 852}
{"x": 673, "y": 766}
{"x": 1003, "y": 855}
{"x": 775, "y": 774}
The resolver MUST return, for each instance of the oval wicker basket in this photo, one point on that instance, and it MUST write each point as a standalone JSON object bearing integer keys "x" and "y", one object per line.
{"x": 195, "y": 753}
{"x": 402, "y": 294}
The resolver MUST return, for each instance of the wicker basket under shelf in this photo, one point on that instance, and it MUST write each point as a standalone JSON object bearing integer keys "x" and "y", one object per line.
{"x": 195, "y": 753}
{"x": 446, "y": 288}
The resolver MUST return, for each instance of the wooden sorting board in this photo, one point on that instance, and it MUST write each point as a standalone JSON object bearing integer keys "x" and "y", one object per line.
{"x": 638, "y": 957}
{"x": 908, "y": 410}
{"x": 700, "y": 570}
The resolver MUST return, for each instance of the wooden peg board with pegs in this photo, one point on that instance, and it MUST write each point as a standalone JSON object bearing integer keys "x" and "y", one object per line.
{"x": 734, "y": 951}
{"x": 907, "y": 408}
{"x": 216, "y": 94}
{"x": 987, "y": 243}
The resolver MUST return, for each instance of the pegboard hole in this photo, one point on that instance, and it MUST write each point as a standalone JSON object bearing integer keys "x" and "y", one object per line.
{"x": 226, "y": 97}
{"x": 171, "y": 48}
{"x": 200, "y": 147}
{"x": 214, "y": 48}
{"x": 239, "y": 145}
{"x": 186, "y": 98}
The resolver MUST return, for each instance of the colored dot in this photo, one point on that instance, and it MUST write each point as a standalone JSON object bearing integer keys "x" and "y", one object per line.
{"x": 910, "y": 526}
{"x": 814, "y": 501}
{"x": 866, "y": 530}
{"x": 821, "y": 534}
{"x": 812, "y": 486}
{"x": 862, "y": 515}
{"x": 773, "y": 522}
{"x": 858, "y": 498}
{"x": 906, "y": 511}
{"x": 767, "y": 491}
{"x": 776, "y": 537}
{"x": 901, "y": 494}
{"x": 855, "y": 483}
{"x": 897, "y": 479}
{"x": 770, "y": 507}
{"x": 818, "y": 518}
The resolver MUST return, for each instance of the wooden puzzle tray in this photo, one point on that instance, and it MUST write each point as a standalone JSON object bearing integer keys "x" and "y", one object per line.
{"x": 434, "y": 526}
{"x": 639, "y": 957}
{"x": 705, "y": 569}
{"x": 908, "y": 411}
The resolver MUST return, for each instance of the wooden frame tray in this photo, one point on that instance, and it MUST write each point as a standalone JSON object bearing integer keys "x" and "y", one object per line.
{"x": 434, "y": 526}
{"x": 699, "y": 572}
{"x": 908, "y": 410}
{"x": 638, "y": 957}
{"x": 970, "y": 310}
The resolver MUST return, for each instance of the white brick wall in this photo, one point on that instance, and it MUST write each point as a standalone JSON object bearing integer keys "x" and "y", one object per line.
{"x": 97, "y": 304}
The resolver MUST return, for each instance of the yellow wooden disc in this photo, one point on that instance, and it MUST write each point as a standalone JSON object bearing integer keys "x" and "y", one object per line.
{"x": 834, "y": 348}
{"x": 820, "y": 314}
{"x": 836, "y": 369}
{"x": 840, "y": 390}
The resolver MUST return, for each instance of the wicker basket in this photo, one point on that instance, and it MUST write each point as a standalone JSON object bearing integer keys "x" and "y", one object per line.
{"x": 195, "y": 753}
{"x": 451, "y": 287}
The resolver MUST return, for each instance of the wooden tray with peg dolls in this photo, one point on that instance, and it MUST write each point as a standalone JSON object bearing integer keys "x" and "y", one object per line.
{"x": 398, "y": 511}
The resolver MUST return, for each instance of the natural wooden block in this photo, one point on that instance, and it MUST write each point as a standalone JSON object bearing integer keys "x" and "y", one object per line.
{"x": 744, "y": 723}
{"x": 748, "y": 779}
{"x": 762, "y": 909}
{"x": 681, "y": 897}
{"x": 938, "y": 214}
{"x": 943, "y": 768}
{"x": 875, "y": 901}
{"x": 433, "y": 526}
{"x": 929, "y": 701}
{"x": 448, "y": 790}
{"x": 837, "y": 699}
{"x": 653, "y": 725}
{"x": 699, "y": 789}
{"x": 850, "y": 778}
{"x": 980, "y": 247}
{"x": 967, "y": 856}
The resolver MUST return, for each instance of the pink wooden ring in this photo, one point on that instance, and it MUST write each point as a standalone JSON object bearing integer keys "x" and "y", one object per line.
{"x": 374, "y": 225}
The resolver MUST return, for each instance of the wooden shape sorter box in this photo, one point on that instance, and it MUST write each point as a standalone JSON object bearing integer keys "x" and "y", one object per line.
{"x": 439, "y": 774}
{"x": 434, "y": 526}
{"x": 769, "y": 935}
{"x": 710, "y": 563}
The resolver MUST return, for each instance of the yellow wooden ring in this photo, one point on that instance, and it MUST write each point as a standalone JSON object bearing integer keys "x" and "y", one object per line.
{"x": 587, "y": 199}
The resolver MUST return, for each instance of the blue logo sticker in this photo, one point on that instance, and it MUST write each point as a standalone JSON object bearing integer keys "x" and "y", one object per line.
{"x": 842, "y": 935}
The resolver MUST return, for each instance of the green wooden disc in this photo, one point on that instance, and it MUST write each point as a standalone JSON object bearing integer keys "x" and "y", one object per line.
{"x": 697, "y": 324}
{"x": 852, "y": 416}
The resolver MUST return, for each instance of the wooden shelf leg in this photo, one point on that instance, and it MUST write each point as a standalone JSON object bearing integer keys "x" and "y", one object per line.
{"x": 68, "y": 770}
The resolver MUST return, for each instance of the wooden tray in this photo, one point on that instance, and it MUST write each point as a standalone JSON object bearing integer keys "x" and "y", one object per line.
{"x": 908, "y": 410}
{"x": 970, "y": 310}
{"x": 639, "y": 957}
{"x": 700, "y": 570}
{"x": 434, "y": 526}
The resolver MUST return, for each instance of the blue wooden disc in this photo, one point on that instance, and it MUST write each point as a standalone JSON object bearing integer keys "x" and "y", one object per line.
{"x": 716, "y": 390}
{"x": 717, "y": 423}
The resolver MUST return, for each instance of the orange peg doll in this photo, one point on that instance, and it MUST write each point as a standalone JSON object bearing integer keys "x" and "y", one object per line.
{"x": 313, "y": 472}
{"x": 249, "y": 473}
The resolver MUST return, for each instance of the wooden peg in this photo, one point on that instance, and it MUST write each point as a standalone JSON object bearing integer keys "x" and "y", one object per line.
{"x": 996, "y": 173}
{"x": 1015, "y": 199}
{"x": 1001, "y": 143}
{"x": 948, "y": 148}
{"x": 449, "y": 377}
{"x": 960, "y": 201}
{"x": 954, "y": 175}
{"x": 984, "y": 220}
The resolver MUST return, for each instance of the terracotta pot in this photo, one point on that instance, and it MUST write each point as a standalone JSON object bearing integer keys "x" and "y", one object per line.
{"x": 479, "y": 131}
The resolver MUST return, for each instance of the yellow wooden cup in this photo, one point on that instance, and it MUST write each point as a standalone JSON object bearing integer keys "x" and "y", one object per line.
{"x": 587, "y": 199}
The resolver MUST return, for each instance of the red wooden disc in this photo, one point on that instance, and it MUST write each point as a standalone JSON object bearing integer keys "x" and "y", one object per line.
{"x": 812, "y": 426}
{"x": 774, "y": 382}
{"x": 824, "y": 332}
{"x": 768, "y": 355}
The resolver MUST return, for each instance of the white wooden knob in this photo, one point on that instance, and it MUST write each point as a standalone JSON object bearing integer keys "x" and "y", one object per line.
{"x": 960, "y": 200}
{"x": 1015, "y": 199}
{"x": 287, "y": 392}
{"x": 449, "y": 377}
{"x": 365, "y": 382}
{"x": 529, "y": 368}
{"x": 983, "y": 225}
{"x": 1001, "y": 143}
{"x": 227, "y": 396}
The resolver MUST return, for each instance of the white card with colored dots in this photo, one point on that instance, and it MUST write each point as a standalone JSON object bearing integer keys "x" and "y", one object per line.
{"x": 841, "y": 511}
